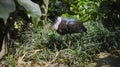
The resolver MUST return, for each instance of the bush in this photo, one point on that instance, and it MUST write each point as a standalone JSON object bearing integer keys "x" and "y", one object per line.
{"x": 74, "y": 50}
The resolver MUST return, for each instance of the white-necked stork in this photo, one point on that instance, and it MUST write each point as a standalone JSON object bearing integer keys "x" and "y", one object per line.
{"x": 68, "y": 26}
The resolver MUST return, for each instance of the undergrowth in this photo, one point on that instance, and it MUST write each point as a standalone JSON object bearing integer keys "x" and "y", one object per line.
{"x": 44, "y": 47}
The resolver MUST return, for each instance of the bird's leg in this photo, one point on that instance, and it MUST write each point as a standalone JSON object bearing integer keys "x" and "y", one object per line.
{"x": 68, "y": 40}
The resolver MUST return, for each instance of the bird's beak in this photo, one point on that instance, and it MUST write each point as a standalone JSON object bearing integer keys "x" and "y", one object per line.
{"x": 50, "y": 27}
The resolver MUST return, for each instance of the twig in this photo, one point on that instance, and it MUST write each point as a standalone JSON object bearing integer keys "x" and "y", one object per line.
{"x": 21, "y": 58}
{"x": 57, "y": 53}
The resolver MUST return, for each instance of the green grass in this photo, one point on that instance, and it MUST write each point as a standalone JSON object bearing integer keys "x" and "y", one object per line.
{"x": 45, "y": 47}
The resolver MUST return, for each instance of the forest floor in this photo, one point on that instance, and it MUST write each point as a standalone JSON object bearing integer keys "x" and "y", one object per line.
{"x": 104, "y": 59}
{"x": 111, "y": 59}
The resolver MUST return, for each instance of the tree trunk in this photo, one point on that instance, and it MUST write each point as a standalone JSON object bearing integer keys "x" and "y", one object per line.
{"x": 4, "y": 33}
{"x": 4, "y": 46}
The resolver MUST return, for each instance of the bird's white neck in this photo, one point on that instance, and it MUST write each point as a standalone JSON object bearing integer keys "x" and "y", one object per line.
{"x": 55, "y": 26}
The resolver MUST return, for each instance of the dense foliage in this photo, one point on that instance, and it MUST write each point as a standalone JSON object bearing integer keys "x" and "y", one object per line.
{"x": 40, "y": 46}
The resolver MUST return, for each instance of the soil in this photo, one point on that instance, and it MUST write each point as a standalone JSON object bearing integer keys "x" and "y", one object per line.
{"x": 104, "y": 59}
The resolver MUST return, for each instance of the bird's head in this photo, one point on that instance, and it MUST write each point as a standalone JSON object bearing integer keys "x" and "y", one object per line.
{"x": 56, "y": 23}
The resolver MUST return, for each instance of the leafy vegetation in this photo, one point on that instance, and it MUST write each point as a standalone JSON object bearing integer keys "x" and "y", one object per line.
{"x": 46, "y": 47}
{"x": 32, "y": 45}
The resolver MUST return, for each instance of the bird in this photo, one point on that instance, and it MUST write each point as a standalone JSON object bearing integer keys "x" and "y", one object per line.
{"x": 68, "y": 26}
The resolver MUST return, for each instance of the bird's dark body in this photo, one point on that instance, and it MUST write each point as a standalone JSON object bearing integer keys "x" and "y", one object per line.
{"x": 69, "y": 26}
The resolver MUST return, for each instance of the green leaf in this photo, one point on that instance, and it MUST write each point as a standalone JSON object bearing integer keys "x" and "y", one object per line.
{"x": 6, "y": 7}
{"x": 32, "y": 8}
